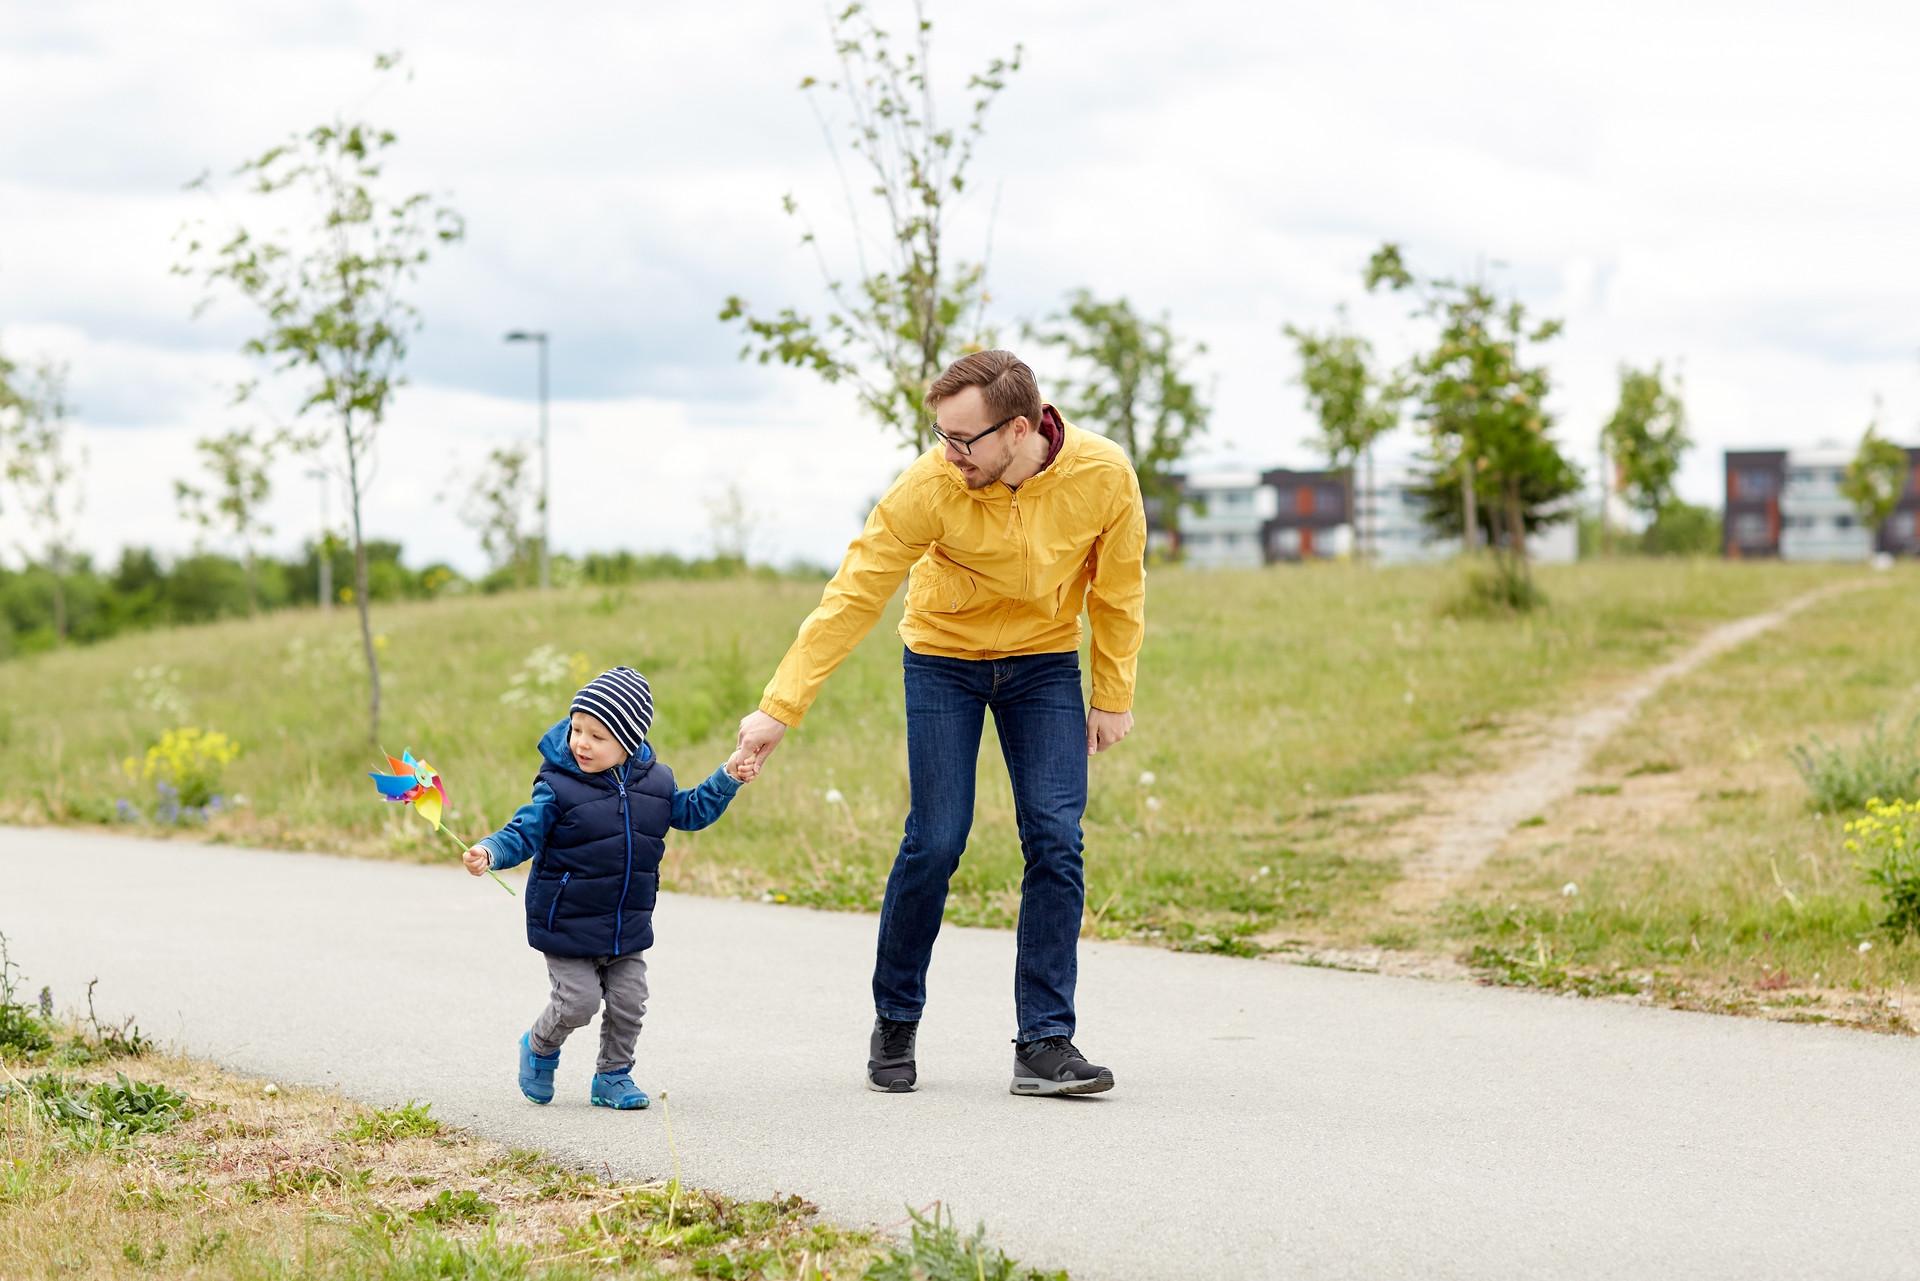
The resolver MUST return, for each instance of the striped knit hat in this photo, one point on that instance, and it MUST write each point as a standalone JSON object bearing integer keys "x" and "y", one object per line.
{"x": 622, "y": 701}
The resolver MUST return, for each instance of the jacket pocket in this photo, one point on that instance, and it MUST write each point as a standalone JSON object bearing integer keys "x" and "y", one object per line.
{"x": 558, "y": 890}
{"x": 939, "y": 588}
{"x": 646, "y": 891}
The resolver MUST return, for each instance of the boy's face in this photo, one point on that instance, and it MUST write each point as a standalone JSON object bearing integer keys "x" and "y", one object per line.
{"x": 594, "y": 746}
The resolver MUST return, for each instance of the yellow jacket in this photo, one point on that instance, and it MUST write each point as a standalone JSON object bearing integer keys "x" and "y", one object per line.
{"x": 996, "y": 572}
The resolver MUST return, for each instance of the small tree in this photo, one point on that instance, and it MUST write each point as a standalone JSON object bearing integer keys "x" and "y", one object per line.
{"x": 331, "y": 299}
{"x": 237, "y": 463}
{"x": 1644, "y": 441}
{"x": 732, "y": 521}
{"x": 1875, "y": 478}
{"x": 42, "y": 465}
{"x": 1127, "y": 378}
{"x": 1355, "y": 406}
{"x": 898, "y": 326}
{"x": 502, "y": 506}
{"x": 1485, "y": 411}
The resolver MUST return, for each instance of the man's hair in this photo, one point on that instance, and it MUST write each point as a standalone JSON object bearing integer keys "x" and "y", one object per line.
{"x": 1006, "y": 384}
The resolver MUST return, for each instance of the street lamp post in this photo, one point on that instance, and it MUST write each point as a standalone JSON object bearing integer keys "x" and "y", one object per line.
{"x": 540, "y": 336}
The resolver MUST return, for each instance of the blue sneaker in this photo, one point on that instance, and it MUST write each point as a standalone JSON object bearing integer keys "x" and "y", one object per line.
{"x": 536, "y": 1072}
{"x": 617, "y": 1090}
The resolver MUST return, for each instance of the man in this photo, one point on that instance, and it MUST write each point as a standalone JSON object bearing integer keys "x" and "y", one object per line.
{"x": 1010, "y": 526}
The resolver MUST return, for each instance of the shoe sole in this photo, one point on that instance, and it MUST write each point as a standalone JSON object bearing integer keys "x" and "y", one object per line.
{"x": 898, "y": 1087}
{"x": 531, "y": 1099}
{"x": 617, "y": 1107}
{"x": 1034, "y": 1087}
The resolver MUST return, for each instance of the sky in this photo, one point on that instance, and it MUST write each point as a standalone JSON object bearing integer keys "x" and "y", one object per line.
{"x": 1725, "y": 188}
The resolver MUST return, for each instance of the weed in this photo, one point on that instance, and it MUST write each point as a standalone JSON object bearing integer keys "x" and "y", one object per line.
{"x": 1646, "y": 768}
{"x": 384, "y": 1125}
{"x": 464, "y": 1206}
{"x": 102, "y": 1113}
{"x": 1887, "y": 843}
{"x": 21, "y": 1030}
{"x": 1842, "y": 779}
{"x": 936, "y": 1251}
{"x": 1545, "y": 972}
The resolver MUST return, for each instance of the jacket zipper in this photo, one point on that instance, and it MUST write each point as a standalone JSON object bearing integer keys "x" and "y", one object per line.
{"x": 626, "y": 827}
{"x": 555, "y": 905}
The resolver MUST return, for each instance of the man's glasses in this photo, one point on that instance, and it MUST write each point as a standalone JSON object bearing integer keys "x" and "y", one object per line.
{"x": 965, "y": 445}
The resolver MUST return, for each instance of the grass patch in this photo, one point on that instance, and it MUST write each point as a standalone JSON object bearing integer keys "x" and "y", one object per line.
{"x": 209, "y": 1175}
{"x": 1252, "y": 686}
{"x": 1732, "y": 894}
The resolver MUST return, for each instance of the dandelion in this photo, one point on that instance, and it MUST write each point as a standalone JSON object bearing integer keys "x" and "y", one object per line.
{"x": 1266, "y": 871}
{"x": 1153, "y": 804}
{"x": 1147, "y": 778}
{"x": 1569, "y": 890}
{"x": 833, "y": 796}
{"x": 1407, "y": 698}
{"x": 270, "y": 1089}
{"x": 1866, "y": 945}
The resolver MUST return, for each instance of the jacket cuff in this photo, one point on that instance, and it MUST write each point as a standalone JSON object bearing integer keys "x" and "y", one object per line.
{"x": 786, "y": 713}
{"x": 725, "y": 781}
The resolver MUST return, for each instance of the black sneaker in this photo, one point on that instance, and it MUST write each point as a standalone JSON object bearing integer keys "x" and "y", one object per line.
{"x": 890, "y": 1056}
{"x": 1052, "y": 1066}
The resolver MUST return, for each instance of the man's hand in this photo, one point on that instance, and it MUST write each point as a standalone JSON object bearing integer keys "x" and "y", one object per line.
{"x": 478, "y": 859}
{"x": 1104, "y": 729}
{"x": 759, "y": 735}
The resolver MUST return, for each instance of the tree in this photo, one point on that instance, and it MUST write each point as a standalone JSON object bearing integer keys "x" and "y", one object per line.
{"x": 732, "y": 521}
{"x": 237, "y": 463}
{"x": 1875, "y": 478}
{"x": 1485, "y": 412}
{"x": 1354, "y": 405}
{"x": 897, "y": 327}
{"x": 331, "y": 301}
{"x": 42, "y": 465}
{"x": 502, "y": 507}
{"x": 1126, "y": 377}
{"x": 1644, "y": 441}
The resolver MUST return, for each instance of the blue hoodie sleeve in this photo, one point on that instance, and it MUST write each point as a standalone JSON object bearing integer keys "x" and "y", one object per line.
{"x": 698, "y": 807}
{"x": 526, "y": 832}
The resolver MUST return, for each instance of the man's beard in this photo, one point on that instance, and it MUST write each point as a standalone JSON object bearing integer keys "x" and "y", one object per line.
{"x": 980, "y": 478}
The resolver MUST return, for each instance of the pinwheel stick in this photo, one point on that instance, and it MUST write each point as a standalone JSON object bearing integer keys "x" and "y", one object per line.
{"x": 464, "y": 847}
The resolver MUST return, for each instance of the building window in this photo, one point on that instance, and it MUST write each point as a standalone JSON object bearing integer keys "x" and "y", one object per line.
{"x": 1750, "y": 529}
{"x": 1753, "y": 482}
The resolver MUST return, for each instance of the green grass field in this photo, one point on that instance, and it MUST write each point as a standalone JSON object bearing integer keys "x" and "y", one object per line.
{"x": 1697, "y": 855}
{"x": 1264, "y": 696}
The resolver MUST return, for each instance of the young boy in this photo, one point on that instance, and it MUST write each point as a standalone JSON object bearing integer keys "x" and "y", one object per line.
{"x": 596, "y": 828}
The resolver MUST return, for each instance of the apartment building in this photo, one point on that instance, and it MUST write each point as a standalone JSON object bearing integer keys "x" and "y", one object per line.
{"x": 1787, "y": 505}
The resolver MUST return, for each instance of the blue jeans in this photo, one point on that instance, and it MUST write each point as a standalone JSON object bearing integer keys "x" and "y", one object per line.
{"x": 1042, "y": 723}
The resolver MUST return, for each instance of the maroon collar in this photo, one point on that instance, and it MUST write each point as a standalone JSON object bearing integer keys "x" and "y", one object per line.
{"x": 1054, "y": 430}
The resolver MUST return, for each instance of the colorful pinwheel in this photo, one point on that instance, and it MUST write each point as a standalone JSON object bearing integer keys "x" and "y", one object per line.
{"x": 418, "y": 784}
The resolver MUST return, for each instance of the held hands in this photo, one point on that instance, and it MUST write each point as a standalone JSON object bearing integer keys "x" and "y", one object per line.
{"x": 741, "y": 767}
{"x": 759, "y": 735}
{"x": 1104, "y": 729}
{"x": 478, "y": 859}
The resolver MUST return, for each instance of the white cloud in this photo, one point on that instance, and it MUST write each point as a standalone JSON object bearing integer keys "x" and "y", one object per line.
{"x": 1719, "y": 186}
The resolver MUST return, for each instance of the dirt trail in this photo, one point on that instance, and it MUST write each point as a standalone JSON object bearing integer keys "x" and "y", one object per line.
{"x": 1462, "y": 822}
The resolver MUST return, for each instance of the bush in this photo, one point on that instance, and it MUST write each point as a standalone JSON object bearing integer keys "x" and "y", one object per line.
{"x": 1887, "y": 843}
{"x": 186, "y": 768}
{"x": 1499, "y": 590}
{"x": 1880, "y": 766}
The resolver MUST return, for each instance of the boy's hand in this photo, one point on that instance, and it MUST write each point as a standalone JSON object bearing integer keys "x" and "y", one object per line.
{"x": 743, "y": 766}
{"x": 478, "y": 859}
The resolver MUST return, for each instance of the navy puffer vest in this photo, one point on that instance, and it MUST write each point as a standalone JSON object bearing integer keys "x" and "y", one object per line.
{"x": 593, "y": 887}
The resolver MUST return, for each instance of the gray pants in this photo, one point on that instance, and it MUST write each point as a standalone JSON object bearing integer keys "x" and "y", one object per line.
{"x": 579, "y": 983}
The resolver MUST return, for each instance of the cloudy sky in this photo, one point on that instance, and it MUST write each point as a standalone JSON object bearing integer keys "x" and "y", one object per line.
{"x": 1725, "y": 187}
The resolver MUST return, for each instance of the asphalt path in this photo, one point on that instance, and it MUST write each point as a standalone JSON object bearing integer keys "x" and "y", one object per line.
{"x": 1269, "y": 1120}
